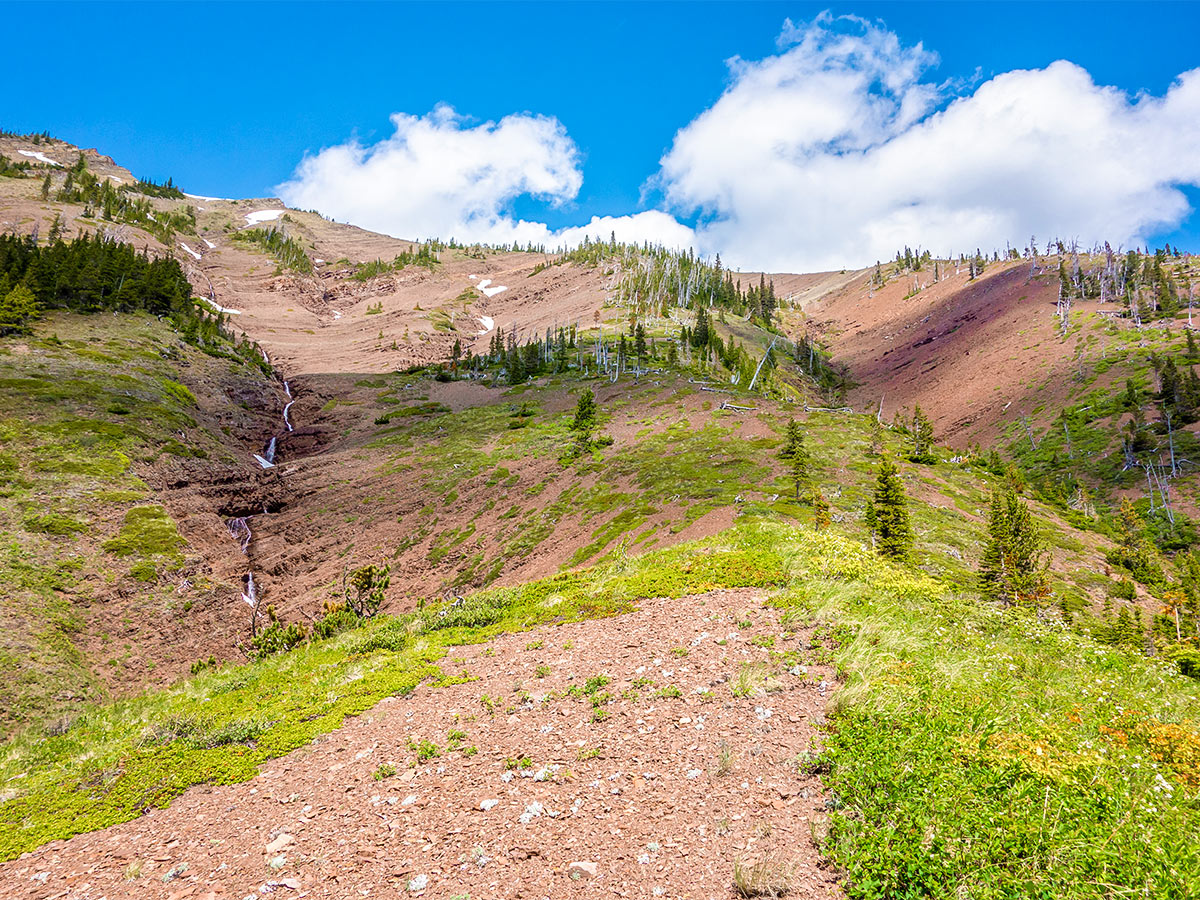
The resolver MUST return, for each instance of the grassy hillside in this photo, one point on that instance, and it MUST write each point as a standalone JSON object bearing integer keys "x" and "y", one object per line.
{"x": 90, "y": 408}
{"x": 972, "y": 748}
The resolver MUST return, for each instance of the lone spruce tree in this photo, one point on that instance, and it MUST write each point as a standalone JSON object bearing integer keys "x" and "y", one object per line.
{"x": 1013, "y": 568}
{"x": 793, "y": 440}
{"x": 584, "y": 422}
{"x": 887, "y": 514}
{"x": 922, "y": 438}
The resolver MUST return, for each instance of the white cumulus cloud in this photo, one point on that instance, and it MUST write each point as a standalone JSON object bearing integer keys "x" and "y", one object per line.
{"x": 839, "y": 151}
{"x": 438, "y": 176}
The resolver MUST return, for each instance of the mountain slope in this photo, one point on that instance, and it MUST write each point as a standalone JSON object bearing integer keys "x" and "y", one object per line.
{"x": 658, "y": 646}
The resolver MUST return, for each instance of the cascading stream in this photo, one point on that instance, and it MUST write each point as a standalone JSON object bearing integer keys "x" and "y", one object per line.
{"x": 286, "y": 421}
{"x": 239, "y": 527}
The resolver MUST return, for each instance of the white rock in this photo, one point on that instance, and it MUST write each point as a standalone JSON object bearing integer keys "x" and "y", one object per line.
{"x": 582, "y": 869}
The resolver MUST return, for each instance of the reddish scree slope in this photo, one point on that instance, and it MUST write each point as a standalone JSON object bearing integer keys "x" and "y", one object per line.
{"x": 973, "y": 354}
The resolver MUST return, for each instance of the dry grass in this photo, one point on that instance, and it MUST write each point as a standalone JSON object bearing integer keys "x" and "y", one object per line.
{"x": 770, "y": 876}
{"x": 724, "y": 758}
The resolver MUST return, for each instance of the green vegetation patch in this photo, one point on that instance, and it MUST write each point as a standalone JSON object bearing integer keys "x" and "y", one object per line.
{"x": 53, "y": 523}
{"x": 147, "y": 531}
{"x": 977, "y": 751}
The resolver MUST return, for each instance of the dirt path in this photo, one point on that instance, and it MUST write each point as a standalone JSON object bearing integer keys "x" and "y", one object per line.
{"x": 637, "y": 799}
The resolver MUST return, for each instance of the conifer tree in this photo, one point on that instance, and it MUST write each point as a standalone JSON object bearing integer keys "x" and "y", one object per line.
{"x": 585, "y": 412}
{"x": 46, "y": 183}
{"x": 700, "y": 334}
{"x": 793, "y": 438}
{"x": 922, "y": 438}
{"x": 887, "y": 514}
{"x": 798, "y": 468}
{"x": 584, "y": 422}
{"x": 1013, "y": 568}
{"x": 17, "y": 307}
{"x": 1134, "y": 552}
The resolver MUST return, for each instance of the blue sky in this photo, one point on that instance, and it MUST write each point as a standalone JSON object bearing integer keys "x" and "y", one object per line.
{"x": 227, "y": 98}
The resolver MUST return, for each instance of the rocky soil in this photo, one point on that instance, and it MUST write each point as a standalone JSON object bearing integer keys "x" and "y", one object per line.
{"x": 531, "y": 776}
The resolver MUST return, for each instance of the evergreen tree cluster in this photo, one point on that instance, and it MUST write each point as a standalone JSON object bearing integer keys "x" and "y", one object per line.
{"x": 520, "y": 362}
{"x": 655, "y": 279}
{"x": 10, "y": 169}
{"x": 1153, "y": 286}
{"x": 1134, "y": 552}
{"x": 119, "y": 203}
{"x": 166, "y": 190}
{"x": 708, "y": 347}
{"x": 1179, "y": 387}
{"x": 34, "y": 137}
{"x": 287, "y": 251}
{"x": 94, "y": 274}
{"x": 908, "y": 261}
{"x": 424, "y": 254}
{"x": 90, "y": 274}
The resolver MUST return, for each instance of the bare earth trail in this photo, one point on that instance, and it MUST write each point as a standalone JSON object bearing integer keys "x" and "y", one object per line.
{"x": 638, "y": 794}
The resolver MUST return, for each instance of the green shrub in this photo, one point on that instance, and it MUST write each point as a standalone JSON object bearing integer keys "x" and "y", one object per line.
{"x": 277, "y": 638}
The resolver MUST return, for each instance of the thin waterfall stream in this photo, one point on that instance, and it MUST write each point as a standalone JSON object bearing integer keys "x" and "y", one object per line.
{"x": 286, "y": 421}
{"x": 239, "y": 526}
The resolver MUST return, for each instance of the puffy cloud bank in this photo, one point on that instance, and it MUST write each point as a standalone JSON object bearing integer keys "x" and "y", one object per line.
{"x": 834, "y": 152}
{"x": 837, "y": 150}
{"x": 438, "y": 176}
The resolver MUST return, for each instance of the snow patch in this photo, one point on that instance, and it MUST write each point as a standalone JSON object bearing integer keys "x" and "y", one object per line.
{"x": 188, "y": 250}
{"x": 488, "y": 324}
{"x": 202, "y": 197}
{"x": 336, "y": 315}
{"x": 264, "y": 215}
{"x": 219, "y": 308}
{"x": 39, "y": 156}
{"x": 211, "y": 245}
{"x": 490, "y": 291}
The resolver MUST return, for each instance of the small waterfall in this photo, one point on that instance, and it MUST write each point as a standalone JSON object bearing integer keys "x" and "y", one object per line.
{"x": 240, "y": 529}
{"x": 250, "y": 592}
{"x": 286, "y": 421}
{"x": 269, "y": 453}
